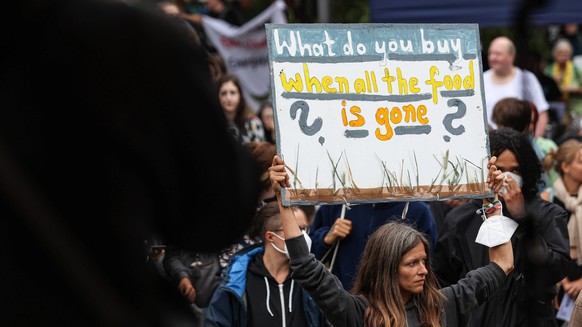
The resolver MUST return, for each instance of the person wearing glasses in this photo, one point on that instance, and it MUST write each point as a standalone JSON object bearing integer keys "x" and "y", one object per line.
{"x": 258, "y": 289}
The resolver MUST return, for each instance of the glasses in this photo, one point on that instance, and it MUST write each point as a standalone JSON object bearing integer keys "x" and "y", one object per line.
{"x": 305, "y": 229}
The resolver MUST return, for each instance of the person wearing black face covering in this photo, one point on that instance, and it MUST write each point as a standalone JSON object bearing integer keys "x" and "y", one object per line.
{"x": 105, "y": 113}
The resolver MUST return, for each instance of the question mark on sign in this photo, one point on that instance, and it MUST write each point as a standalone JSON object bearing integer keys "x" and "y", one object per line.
{"x": 448, "y": 120}
{"x": 309, "y": 130}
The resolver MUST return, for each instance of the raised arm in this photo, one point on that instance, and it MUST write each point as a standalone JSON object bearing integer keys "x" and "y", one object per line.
{"x": 279, "y": 178}
{"x": 502, "y": 254}
{"x": 340, "y": 308}
{"x": 480, "y": 284}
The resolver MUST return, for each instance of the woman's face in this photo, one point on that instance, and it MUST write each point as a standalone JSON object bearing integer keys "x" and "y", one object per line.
{"x": 573, "y": 170}
{"x": 229, "y": 97}
{"x": 507, "y": 161}
{"x": 412, "y": 271}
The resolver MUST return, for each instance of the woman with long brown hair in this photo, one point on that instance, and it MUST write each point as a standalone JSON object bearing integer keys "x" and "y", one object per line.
{"x": 398, "y": 283}
{"x": 244, "y": 125}
{"x": 395, "y": 285}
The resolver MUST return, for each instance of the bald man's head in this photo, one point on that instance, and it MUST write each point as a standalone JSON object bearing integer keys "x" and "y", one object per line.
{"x": 501, "y": 54}
{"x": 503, "y": 42}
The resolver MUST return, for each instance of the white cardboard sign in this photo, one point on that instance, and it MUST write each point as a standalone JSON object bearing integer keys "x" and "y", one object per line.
{"x": 379, "y": 112}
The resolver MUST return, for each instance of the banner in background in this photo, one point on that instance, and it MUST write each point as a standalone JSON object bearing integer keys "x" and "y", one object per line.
{"x": 244, "y": 50}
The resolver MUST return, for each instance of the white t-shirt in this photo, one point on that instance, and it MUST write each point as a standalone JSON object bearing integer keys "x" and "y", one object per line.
{"x": 514, "y": 89}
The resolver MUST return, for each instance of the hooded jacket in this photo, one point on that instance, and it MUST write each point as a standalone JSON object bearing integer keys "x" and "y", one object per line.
{"x": 268, "y": 304}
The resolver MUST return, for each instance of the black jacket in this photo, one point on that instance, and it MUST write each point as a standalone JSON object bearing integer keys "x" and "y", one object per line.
{"x": 271, "y": 301}
{"x": 541, "y": 252}
{"x": 203, "y": 270}
{"x": 233, "y": 306}
{"x": 344, "y": 309}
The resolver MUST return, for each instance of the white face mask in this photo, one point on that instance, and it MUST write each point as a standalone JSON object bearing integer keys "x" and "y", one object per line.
{"x": 284, "y": 251}
{"x": 515, "y": 177}
{"x": 307, "y": 240}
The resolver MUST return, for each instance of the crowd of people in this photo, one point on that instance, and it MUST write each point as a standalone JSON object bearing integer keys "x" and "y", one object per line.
{"x": 544, "y": 264}
{"x": 545, "y": 268}
{"x": 252, "y": 261}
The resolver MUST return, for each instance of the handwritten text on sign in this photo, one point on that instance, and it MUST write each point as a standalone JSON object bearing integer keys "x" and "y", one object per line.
{"x": 369, "y": 112}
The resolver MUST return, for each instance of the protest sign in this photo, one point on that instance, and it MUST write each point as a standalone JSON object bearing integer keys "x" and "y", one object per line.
{"x": 379, "y": 112}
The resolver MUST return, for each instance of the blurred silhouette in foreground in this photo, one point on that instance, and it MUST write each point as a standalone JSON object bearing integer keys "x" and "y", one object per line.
{"x": 106, "y": 112}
